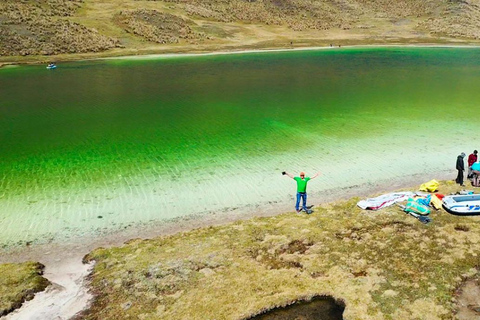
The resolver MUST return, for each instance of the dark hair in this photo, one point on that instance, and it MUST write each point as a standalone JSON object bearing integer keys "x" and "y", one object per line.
{"x": 475, "y": 151}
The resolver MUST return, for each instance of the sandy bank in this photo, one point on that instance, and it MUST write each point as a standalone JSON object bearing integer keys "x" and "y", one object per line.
{"x": 194, "y": 53}
{"x": 235, "y": 52}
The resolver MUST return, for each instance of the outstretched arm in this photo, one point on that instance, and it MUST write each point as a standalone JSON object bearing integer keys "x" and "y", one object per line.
{"x": 315, "y": 175}
{"x": 288, "y": 174}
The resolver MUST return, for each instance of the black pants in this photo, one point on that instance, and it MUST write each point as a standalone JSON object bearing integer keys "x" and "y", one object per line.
{"x": 459, "y": 179}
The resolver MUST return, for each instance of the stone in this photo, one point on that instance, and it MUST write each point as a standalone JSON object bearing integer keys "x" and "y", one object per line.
{"x": 207, "y": 272}
{"x": 127, "y": 305}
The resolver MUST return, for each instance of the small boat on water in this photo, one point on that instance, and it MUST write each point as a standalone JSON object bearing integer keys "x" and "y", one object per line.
{"x": 51, "y": 66}
{"x": 462, "y": 205}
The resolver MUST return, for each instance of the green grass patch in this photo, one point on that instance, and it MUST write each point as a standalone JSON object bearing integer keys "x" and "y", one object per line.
{"x": 19, "y": 283}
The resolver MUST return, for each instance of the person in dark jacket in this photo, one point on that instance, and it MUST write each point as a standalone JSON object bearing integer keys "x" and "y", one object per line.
{"x": 460, "y": 168}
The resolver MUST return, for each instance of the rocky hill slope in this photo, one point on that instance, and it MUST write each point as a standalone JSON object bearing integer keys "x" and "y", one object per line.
{"x": 53, "y": 27}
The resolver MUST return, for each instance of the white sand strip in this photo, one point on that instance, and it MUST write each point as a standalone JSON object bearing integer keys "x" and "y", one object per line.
{"x": 66, "y": 296}
{"x": 248, "y": 51}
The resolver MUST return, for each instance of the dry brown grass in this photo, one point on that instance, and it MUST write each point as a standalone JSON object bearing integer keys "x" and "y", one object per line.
{"x": 383, "y": 265}
{"x": 48, "y": 27}
{"x": 19, "y": 283}
{"x": 30, "y": 28}
{"x": 460, "y": 19}
{"x": 297, "y": 15}
{"x": 157, "y": 26}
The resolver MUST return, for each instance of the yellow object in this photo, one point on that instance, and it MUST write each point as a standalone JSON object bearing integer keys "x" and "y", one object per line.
{"x": 435, "y": 202}
{"x": 430, "y": 186}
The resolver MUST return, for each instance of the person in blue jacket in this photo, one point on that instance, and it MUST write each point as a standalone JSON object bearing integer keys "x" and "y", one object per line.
{"x": 476, "y": 174}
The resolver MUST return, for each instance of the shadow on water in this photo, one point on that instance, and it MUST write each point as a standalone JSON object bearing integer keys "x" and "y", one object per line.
{"x": 319, "y": 308}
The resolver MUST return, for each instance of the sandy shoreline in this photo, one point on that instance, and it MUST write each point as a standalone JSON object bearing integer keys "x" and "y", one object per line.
{"x": 77, "y": 58}
{"x": 45, "y": 253}
{"x": 63, "y": 261}
{"x": 218, "y": 53}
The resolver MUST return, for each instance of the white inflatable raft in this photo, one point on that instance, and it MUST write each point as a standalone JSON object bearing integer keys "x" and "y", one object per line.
{"x": 462, "y": 205}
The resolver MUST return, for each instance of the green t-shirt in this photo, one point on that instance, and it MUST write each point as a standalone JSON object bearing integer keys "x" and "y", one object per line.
{"x": 301, "y": 184}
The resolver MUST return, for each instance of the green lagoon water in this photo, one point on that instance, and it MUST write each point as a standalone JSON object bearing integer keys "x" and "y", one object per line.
{"x": 100, "y": 145}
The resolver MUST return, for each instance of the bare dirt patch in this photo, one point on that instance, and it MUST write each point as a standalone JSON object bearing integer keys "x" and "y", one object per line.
{"x": 468, "y": 300}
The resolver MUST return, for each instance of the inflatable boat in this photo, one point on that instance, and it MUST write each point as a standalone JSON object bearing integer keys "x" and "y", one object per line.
{"x": 462, "y": 205}
{"x": 51, "y": 66}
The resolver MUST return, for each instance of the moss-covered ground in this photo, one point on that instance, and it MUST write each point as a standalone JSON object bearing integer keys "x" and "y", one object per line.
{"x": 382, "y": 264}
{"x": 18, "y": 283}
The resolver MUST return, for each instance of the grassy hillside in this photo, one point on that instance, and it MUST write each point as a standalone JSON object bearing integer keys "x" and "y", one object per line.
{"x": 381, "y": 264}
{"x": 63, "y": 27}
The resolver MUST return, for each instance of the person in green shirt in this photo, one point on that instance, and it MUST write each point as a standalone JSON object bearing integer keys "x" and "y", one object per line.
{"x": 301, "y": 188}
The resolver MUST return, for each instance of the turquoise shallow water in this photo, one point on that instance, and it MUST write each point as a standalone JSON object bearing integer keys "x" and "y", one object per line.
{"x": 100, "y": 145}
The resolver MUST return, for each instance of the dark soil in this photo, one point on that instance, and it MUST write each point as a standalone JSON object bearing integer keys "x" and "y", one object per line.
{"x": 321, "y": 308}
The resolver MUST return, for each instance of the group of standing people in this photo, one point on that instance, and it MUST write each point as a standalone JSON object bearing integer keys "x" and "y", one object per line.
{"x": 473, "y": 169}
